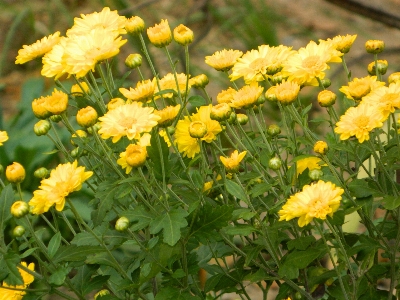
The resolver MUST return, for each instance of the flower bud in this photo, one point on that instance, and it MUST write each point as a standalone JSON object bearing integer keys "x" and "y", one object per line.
{"x": 79, "y": 133}
{"x": 80, "y": 89}
{"x": 261, "y": 99}
{"x": 382, "y": 67}
{"x": 242, "y": 119}
{"x": 41, "y": 173}
{"x": 76, "y": 152}
{"x": 374, "y": 46}
{"x": 133, "y": 60}
{"x": 114, "y": 103}
{"x": 94, "y": 128}
{"x": 39, "y": 108}
{"x": 197, "y": 129}
{"x": 160, "y": 34}
{"x": 270, "y": 94}
{"x": 134, "y": 25}
{"x": 315, "y": 174}
{"x": 55, "y": 118}
{"x": 321, "y": 147}
{"x": 19, "y": 209}
{"x": 183, "y": 35}
{"x": 232, "y": 118}
{"x": 136, "y": 155}
{"x": 42, "y": 127}
{"x": 273, "y": 130}
{"x": 199, "y": 81}
{"x": 122, "y": 224}
{"x": 275, "y": 163}
{"x": 15, "y": 173}
{"x": 171, "y": 130}
{"x": 57, "y": 103}
{"x": 326, "y": 98}
{"x": 394, "y": 77}
{"x": 18, "y": 231}
{"x": 326, "y": 82}
{"x": 220, "y": 112}
{"x": 287, "y": 92}
{"x": 86, "y": 117}
{"x": 277, "y": 79}
{"x": 101, "y": 293}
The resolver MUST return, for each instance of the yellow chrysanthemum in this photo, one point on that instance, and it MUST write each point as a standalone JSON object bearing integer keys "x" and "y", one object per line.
{"x": 106, "y": 19}
{"x": 134, "y": 25}
{"x": 7, "y": 294}
{"x": 168, "y": 82}
{"x": 63, "y": 180}
{"x": 128, "y": 120}
{"x": 143, "y": 91}
{"x": 160, "y": 34}
{"x": 287, "y": 92}
{"x": 134, "y": 156}
{"x": 223, "y": 60}
{"x": 342, "y": 43}
{"x": 359, "y": 122}
{"x": 310, "y": 63}
{"x": 167, "y": 115}
{"x": 37, "y": 49}
{"x": 57, "y": 102}
{"x": 247, "y": 96}
{"x": 226, "y": 96}
{"x": 53, "y": 61}
{"x": 83, "y": 52}
{"x": 3, "y": 137}
{"x": 232, "y": 163}
{"x": 310, "y": 163}
{"x": 255, "y": 64}
{"x": 361, "y": 87}
{"x": 317, "y": 200}
{"x": 190, "y": 146}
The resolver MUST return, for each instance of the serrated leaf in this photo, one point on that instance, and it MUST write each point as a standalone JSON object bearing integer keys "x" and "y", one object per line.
{"x": 260, "y": 189}
{"x": 235, "y": 190}
{"x": 140, "y": 216}
{"x": 101, "y": 259}
{"x": 301, "y": 243}
{"x": 359, "y": 188}
{"x": 158, "y": 154}
{"x": 105, "y": 204}
{"x": 54, "y": 244}
{"x": 85, "y": 280}
{"x": 58, "y": 277}
{"x": 170, "y": 223}
{"x": 243, "y": 213}
{"x": 75, "y": 253}
{"x": 298, "y": 260}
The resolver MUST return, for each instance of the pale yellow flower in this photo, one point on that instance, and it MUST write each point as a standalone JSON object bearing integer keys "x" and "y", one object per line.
{"x": 226, "y": 96}
{"x": 183, "y": 35}
{"x": 143, "y": 91}
{"x": 232, "y": 163}
{"x": 167, "y": 115}
{"x": 287, "y": 92}
{"x": 164, "y": 135}
{"x": 160, "y": 34}
{"x": 310, "y": 163}
{"x": 53, "y": 61}
{"x": 57, "y": 102}
{"x": 3, "y": 137}
{"x": 342, "y": 43}
{"x": 385, "y": 99}
{"x": 247, "y": 96}
{"x": 134, "y": 25}
{"x": 223, "y": 60}
{"x": 134, "y": 156}
{"x": 361, "y": 87}
{"x": 168, "y": 82}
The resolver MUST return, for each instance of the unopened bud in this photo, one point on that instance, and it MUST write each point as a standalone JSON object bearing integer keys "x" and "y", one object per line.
{"x": 232, "y": 118}
{"x": 315, "y": 174}
{"x": 41, "y": 173}
{"x": 183, "y": 35}
{"x": 326, "y": 98}
{"x": 197, "y": 129}
{"x": 242, "y": 119}
{"x": 321, "y": 147}
{"x": 133, "y": 61}
{"x": 273, "y": 130}
{"x": 18, "y": 231}
{"x": 394, "y": 77}
{"x": 275, "y": 163}
{"x": 382, "y": 67}
{"x": 326, "y": 82}
{"x": 220, "y": 112}
{"x": 55, "y": 118}
{"x": 15, "y": 173}
{"x": 134, "y": 25}
{"x": 122, "y": 224}
{"x": 42, "y": 127}
{"x": 199, "y": 81}
{"x": 86, "y": 117}
{"x": 374, "y": 46}
{"x": 19, "y": 209}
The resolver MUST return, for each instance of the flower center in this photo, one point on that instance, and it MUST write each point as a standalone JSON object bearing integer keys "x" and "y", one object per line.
{"x": 319, "y": 208}
{"x": 259, "y": 64}
{"x": 362, "y": 122}
{"x": 312, "y": 62}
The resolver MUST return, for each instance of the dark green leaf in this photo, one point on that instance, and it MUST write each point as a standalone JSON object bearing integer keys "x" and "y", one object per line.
{"x": 6, "y": 200}
{"x": 171, "y": 224}
{"x": 106, "y": 200}
{"x": 75, "y": 253}
{"x": 391, "y": 202}
{"x": 8, "y": 264}
{"x": 301, "y": 243}
{"x": 54, "y": 244}
{"x": 57, "y": 278}
{"x": 140, "y": 216}
{"x": 159, "y": 157}
{"x": 197, "y": 101}
{"x": 101, "y": 259}
{"x": 239, "y": 229}
{"x": 359, "y": 188}
{"x": 243, "y": 213}
{"x": 235, "y": 190}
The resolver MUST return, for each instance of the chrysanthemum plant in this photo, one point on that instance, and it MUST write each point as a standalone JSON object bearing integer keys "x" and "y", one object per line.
{"x": 195, "y": 195}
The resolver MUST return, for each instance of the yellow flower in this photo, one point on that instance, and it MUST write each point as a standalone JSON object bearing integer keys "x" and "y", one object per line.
{"x": 247, "y": 96}
{"x": 385, "y": 99}
{"x": 168, "y": 83}
{"x": 134, "y": 25}
{"x": 183, "y": 35}
{"x": 63, "y": 180}
{"x": 207, "y": 187}
{"x": 7, "y": 294}
{"x": 223, "y": 60}
{"x": 226, "y": 96}
{"x": 342, "y": 43}
{"x": 37, "y": 49}
{"x": 199, "y": 81}
{"x": 106, "y": 19}
{"x": 80, "y": 89}
{"x": 160, "y": 34}
{"x": 317, "y": 200}
{"x": 359, "y": 121}
{"x": 114, "y": 103}
{"x": 134, "y": 156}
{"x": 86, "y": 117}
{"x": 57, "y": 102}
{"x": 374, "y": 46}
{"x": 310, "y": 163}
{"x": 128, "y": 120}
{"x": 254, "y": 65}
{"x": 3, "y": 137}
{"x": 394, "y": 77}
{"x": 320, "y": 147}
{"x": 310, "y": 63}
{"x": 143, "y": 91}
{"x": 232, "y": 163}
{"x": 167, "y": 115}
{"x": 221, "y": 112}
{"x": 15, "y": 173}
{"x": 360, "y": 87}
{"x": 54, "y": 60}
{"x": 287, "y": 92}
{"x": 164, "y": 134}
{"x": 326, "y": 98}
{"x": 381, "y": 64}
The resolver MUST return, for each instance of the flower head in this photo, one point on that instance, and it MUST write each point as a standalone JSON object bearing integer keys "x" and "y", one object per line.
{"x": 223, "y": 60}
{"x": 143, "y": 92}
{"x": 167, "y": 115}
{"x": 54, "y": 60}
{"x": 320, "y": 147}
{"x": 247, "y": 96}
{"x": 326, "y": 98}
{"x": 314, "y": 201}
{"x": 63, "y": 180}
{"x": 15, "y": 173}
{"x": 134, "y": 25}
{"x": 160, "y": 34}
{"x": 57, "y": 102}
{"x": 80, "y": 89}
{"x": 309, "y": 163}
{"x": 287, "y": 92}
{"x": 360, "y": 87}
{"x": 114, "y": 103}
{"x": 374, "y": 46}
{"x": 168, "y": 83}
{"x": 232, "y": 163}
{"x": 27, "y": 278}
{"x": 226, "y": 96}
{"x": 183, "y": 35}
{"x": 86, "y": 117}
{"x": 3, "y": 137}
{"x": 134, "y": 156}
{"x": 199, "y": 81}
{"x": 342, "y": 43}
{"x": 385, "y": 99}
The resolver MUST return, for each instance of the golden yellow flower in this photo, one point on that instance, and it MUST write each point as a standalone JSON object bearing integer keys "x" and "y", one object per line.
{"x": 247, "y": 96}
{"x": 232, "y": 163}
{"x": 310, "y": 163}
{"x": 37, "y": 49}
{"x": 128, "y": 120}
{"x": 342, "y": 43}
{"x": 134, "y": 25}
{"x": 199, "y": 81}
{"x": 63, "y": 180}
{"x": 54, "y": 60}
{"x": 374, "y": 46}
{"x": 270, "y": 94}
{"x": 223, "y": 60}
{"x": 3, "y": 137}
{"x": 326, "y": 98}
{"x": 320, "y": 147}
{"x": 360, "y": 87}
{"x": 359, "y": 122}
{"x": 168, "y": 82}
{"x": 394, "y": 77}
{"x": 197, "y": 129}
{"x": 382, "y": 65}
{"x": 15, "y": 173}
{"x": 385, "y": 99}
{"x": 86, "y": 117}
{"x": 317, "y": 200}
{"x": 7, "y": 294}
{"x": 114, "y": 103}
{"x": 106, "y": 20}
{"x": 183, "y": 35}
{"x": 167, "y": 115}
{"x": 221, "y": 112}
{"x": 226, "y": 96}
{"x": 80, "y": 89}
{"x": 287, "y": 91}
{"x": 143, "y": 91}
{"x": 207, "y": 187}
{"x": 133, "y": 157}
{"x": 57, "y": 102}
{"x": 39, "y": 108}
{"x": 160, "y": 34}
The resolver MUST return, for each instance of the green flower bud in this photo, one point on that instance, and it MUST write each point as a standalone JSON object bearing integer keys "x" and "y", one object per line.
{"x": 171, "y": 130}
{"x": 315, "y": 174}
{"x": 232, "y": 118}
{"x": 273, "y": 130}
{"x": 133, "y": 61}
{"x": 197, "y": 129}
{"x": 122, "y": 224}
{"x": 18, "y": 231}
{"x": 42, "y": 127}
{"x": 275, "y": 163}
{"x": 41, "y": 173}
{"x": 326, "y": 82}
{"x": 55, "y": 118}
{"x": 220, "y": 112}
{"x": 19, "y": 209}
{"x": 242, "y": 119}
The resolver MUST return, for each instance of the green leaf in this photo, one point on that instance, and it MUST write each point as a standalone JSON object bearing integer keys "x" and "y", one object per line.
{"x": 6, "y": 200}
{"x": 359, "y": 188}
{"x": 243, "y": 213}
{"x": 298, "y": 260}
{"x": 101, "y": 259}
{"x": 75, "y": 253}
{"x": 58, "y": 277}
{"x": 106, "y": 198}
{"x": 140, "y": 216}
{"x": 171, "y": 224}
{"x": 301, "y": 243}
{"x": 85, "y": 281}
{"x": 239, "y": 229}
{"x": 54, "y": 244}
{"x": 260, "y": 189}
{"x": 235, "y": 190}
{"x": 197, "y": 101}
{"x": 391, "y": 202}
{"x": 8, "y": 264}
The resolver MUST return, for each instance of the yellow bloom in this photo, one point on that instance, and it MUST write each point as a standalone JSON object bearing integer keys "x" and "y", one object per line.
{"x": 199, "y": 81}
{"x": 359, "y": 121}
{"x": 374, "y": 46}
{"x": 160, "y": 34}
{"x": 134, "y": 156}
{"x": 39, "y": 108}
{"x": 37, "y": 49}
{"x": 221, "y": 112}
{"x": 3, "y": 137}
{"x": 63, "y": 180}
{"x": 326, "y": 98}
{"x": 226, "y": 96}
{"x": 164, "y": 134}
{"x": 385, "y": 99}
{"x": 128, "y": 120}
{"x": 183, "y": 35}
{"x": 57, "y": 102}
{"x": 394, "y": 77}
{"x": 86, "y": 117}
{"x": 6, "y": 294}
{"x": 360, "y": 87}
{"x": 317, "y": 200}
{"x": 143, "y": 91}
{"x": 287, "y": 92}
{"x": 247, "y": 96}
{"x": 320, "y": 147}
{"x": 15, "y": 173}
{"x": 381, "y": 64}
{"x": 342, "y": 43}
{"x": 232, "y": 163}
{"x": 114, "y": 103}
{"x": 310, "y": 163}
{"x": 168, "y": 83}
{"x": 54, "y": 60}
{"x": 167, "y": 115}
{"x": 223, "y": 60}
{"x": 106, "y": 19}
{"x": 80, "y": 89}
{"x": 134, "y": 25}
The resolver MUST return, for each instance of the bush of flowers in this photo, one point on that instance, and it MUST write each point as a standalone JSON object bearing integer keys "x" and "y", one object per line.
{"x": 196, "y": 195}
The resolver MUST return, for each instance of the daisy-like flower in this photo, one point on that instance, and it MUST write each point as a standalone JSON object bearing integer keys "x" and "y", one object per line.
{"x": 143, "y": 92}
{"x": 247, "y": 96}
{"x": 310, "y": 63}
{"x": 310, "y": 163}
{"x": 57, "y": 102}
{"x": 190, "y": 146}
{"x": 232, "y": 163}
{"x": 287, "y": 92}
{"x": 183, "y": 35}
{"x": 167, "y": 115}
{"x": 168, "y": 83}
{"x": 226, "y": 96}
{"x": 160, "y": 34}
{"x": 128, "y": 120}
{"x": 134, "y": 156}
{"x": 37, "y": 49}
{"x": 361, "y": 87}
{"x": 53, "y": 61}
{"x": 359, "y": 122}
{"x": 134, "y": 25}
{"x": 385, "y": 99}
{"x": 83, "y": 52}
{"x": 254, "y": 65}
{"x": 106, "y": 19}
{"x": 27, "y": 278}
{"x": 223, "y": 60}
{"x": 63, "y": 180}
{"x": 342, "y": 43}
{"x": 317, "y": 200}
{"x": 3, "y": 137}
